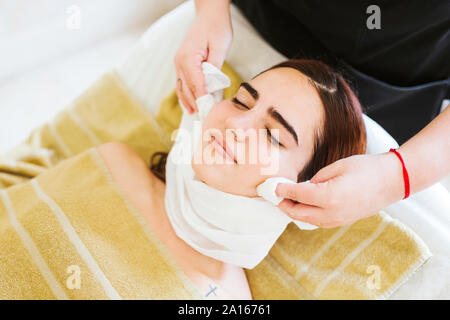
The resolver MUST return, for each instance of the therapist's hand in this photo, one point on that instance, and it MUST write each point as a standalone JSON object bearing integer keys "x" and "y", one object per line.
{"x": 208, "y": 39}
{"x": 345, "y": 191}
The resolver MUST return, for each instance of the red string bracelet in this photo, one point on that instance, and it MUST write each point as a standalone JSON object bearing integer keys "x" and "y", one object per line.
{"x": 405, "y": 172}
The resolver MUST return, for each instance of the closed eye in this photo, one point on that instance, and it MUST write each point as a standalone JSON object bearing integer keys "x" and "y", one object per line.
{"x": 272, "y": 139}
{"x": 269, "y": 134}
{"x": 236, "y": 101}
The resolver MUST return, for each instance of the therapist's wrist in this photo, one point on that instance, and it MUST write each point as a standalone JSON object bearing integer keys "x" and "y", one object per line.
{"x": 392, "y": 171}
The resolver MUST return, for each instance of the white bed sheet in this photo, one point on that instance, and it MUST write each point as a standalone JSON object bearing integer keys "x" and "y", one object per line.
{"x": 149, "y": 71}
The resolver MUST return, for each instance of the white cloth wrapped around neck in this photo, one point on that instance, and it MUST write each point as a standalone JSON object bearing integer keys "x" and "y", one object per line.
{"x": 230, "y": 228}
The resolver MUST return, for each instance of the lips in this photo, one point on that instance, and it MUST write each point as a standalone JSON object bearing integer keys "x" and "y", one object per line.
{"x": 223, "y": 146}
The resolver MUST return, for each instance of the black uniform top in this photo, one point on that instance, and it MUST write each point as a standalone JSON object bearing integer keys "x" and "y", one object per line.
{"x": 400, "y": 72}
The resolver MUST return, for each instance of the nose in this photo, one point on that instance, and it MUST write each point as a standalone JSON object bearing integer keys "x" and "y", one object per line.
{"x": 240, "y": 125}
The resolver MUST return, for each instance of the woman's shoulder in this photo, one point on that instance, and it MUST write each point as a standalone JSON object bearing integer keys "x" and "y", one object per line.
{"x": 127, "y": 168}
{"x": 117, "y": 153}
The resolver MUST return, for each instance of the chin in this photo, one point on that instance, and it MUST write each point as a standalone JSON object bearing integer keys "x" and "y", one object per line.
{"x": 223, "y": 178}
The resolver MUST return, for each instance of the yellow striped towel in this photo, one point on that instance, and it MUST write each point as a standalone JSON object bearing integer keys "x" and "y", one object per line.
{"x": 70, "y": 233}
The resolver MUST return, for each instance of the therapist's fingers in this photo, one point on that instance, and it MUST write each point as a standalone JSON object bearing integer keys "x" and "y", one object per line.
{"x": 180, "y": 95}
{"x": 302, "y": 212}
{"x": 185, "y": 94}
{"x": 195, "y": 79}
{"x": 218, "y": 52}
{"x": 313, "y": 194}
{"x": 310, "y": 214}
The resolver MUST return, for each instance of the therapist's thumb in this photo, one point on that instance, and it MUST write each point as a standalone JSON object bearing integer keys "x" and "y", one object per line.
{"x": 329, "y": 172}
{"x": 313, "y": 194}
{"x": 216, "y": 57}
{"x": 217, "y": 51}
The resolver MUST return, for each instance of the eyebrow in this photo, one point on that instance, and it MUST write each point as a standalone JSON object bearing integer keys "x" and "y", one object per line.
{"x": 271, "y": 111}
{"x": 278, "y": 117}
{"x": 250, "y": 90}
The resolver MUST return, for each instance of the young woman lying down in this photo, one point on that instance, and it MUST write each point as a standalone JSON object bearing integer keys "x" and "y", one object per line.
{"x": 307, "y": 114}
{"x": 102, "y": 224}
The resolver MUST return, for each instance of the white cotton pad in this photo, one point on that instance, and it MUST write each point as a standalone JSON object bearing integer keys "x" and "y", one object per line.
{"x": 266, "y": 189}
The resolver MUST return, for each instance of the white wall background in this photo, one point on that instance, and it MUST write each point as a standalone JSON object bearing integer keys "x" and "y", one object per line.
{"x": 46, "y": 60}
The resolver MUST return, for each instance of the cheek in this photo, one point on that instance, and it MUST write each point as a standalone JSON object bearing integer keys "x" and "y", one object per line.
{"x": 283, "y": 164}
{"x": 289, "y": 168}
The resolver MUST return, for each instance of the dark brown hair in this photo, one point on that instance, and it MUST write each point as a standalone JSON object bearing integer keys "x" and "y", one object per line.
{"x": 342, "y": 132}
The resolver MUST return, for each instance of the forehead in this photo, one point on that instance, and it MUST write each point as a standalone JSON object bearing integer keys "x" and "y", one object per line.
{"x": 286, "y": 86}
{"x": 291, "y": 93}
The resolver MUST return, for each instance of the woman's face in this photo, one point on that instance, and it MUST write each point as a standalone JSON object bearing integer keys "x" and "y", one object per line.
{"x": 269, "y": 131}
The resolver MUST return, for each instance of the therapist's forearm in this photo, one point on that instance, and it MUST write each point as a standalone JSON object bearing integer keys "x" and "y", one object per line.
{"x": 221, "y": 5}
{"x": 427, "y": 154}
